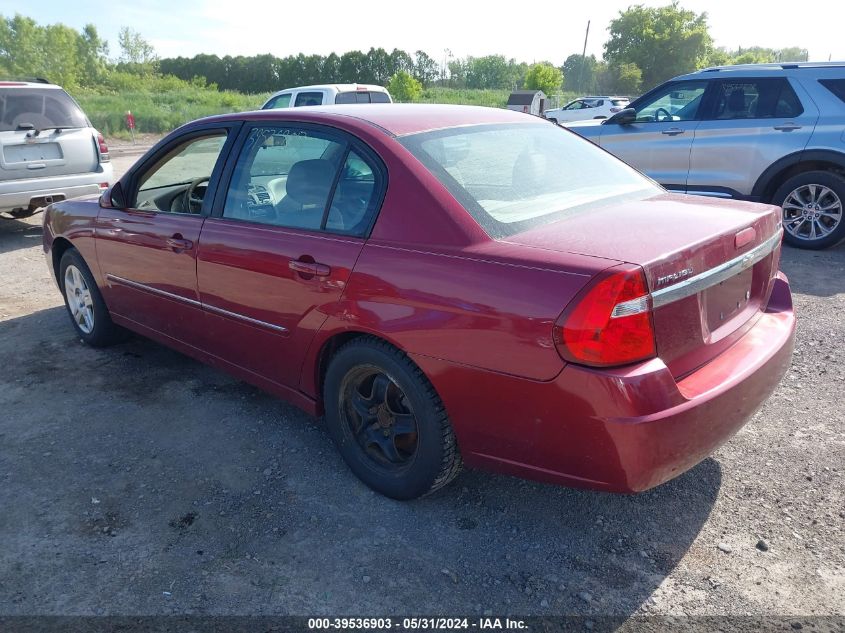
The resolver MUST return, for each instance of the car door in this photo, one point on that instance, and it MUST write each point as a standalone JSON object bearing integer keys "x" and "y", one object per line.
{"x": 659, "y": 141}
{"x": 276, "y": 254}
{"x": 147, "y": 249}
{"x": 747, "y": 125}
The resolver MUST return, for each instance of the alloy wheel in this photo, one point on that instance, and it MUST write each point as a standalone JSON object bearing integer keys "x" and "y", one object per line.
{"x": 79, "y": 299}
{"x": 811, "y": 212}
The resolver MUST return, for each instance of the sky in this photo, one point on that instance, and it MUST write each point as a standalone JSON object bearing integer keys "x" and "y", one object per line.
{"x": 524, "y": 31}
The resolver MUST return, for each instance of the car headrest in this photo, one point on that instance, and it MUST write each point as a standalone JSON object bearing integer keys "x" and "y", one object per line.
{"x": 309, "y": 181}
{"x": 736, "y": 100}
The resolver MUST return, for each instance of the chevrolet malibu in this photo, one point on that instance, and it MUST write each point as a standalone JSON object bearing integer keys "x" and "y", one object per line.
{"x": 447, "y": 285}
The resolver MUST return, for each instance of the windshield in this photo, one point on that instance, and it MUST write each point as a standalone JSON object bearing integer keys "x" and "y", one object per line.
{"x": 512, "y": 178}
{"x": 38, "y": 108}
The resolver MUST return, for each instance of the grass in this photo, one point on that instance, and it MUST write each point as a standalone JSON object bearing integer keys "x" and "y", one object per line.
{"x": 161, "y": 104}
{"x": 161, "y": 111}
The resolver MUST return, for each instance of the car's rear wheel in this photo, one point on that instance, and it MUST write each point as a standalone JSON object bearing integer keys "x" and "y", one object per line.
{"x": 85, "y": 304}
{"x": 812, "y": 205}
{"x": 387, "y": 421}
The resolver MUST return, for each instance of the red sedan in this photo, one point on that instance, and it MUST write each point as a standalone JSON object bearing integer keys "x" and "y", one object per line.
{"x": 447, "y": 285}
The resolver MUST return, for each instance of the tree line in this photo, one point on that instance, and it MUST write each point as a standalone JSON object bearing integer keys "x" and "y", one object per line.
{"x": 646, "y": 45}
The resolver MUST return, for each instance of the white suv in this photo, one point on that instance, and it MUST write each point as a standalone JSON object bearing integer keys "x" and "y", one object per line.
{"x": 327, "y": 94}
{"x": 587, "y": 108}
{"x": 48, "y": 149}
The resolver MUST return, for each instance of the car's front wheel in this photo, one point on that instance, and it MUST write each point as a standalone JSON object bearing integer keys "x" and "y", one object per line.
{"x": 84, "y": 303}
{"x": 812, "y": 205}
{"x": 387, "y": 421}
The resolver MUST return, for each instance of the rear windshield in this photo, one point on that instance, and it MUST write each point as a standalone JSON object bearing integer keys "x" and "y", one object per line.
{"x": 38, "y": 108}
{"x": 512, "y": 178}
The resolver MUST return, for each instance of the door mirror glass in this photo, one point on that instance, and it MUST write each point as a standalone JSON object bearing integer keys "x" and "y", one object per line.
{"x": 623, "y": 117}
{"x": 112, "y": 198}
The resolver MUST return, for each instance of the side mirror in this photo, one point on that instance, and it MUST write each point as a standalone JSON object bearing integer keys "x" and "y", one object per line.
{"x": 112, "y": 197}
{"x": 623, "y": 117}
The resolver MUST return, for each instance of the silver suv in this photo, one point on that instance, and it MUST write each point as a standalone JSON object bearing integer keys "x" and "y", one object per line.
{"x": 48, "y": 149}
{"x": 764, "y": 132}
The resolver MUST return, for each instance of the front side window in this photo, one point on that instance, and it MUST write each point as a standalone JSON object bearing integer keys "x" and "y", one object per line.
{"x": 673, "y": 102}
{"x": 282, "y": 101}
{"x": 304, "y": 179}
{"x": 512, "y": 178}
{"x": 575, "y": 105}
{"x": 308, "y": 99}
{"x": 178, "y": 182}
{"x": 755, "y": 99}
{"x": 39, "y": 109}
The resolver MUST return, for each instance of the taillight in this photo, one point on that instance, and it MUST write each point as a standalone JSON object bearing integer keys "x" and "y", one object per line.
{"x": 102, "y": 148}
{"x": 609, "y": 323}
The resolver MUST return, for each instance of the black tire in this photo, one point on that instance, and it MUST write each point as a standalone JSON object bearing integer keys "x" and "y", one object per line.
{"x": 553, "y": 120}
{"x": 103, "y": 331}
{"x": 833, "y": 182}
{"x": 434, "y": 459}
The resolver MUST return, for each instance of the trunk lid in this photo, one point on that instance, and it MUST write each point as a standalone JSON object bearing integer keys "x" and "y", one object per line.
{"x": 682, "y": 242}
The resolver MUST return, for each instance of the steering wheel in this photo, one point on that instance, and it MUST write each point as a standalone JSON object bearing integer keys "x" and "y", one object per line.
{"x": 657, "y": 116}
{"x": 193, "y": 202}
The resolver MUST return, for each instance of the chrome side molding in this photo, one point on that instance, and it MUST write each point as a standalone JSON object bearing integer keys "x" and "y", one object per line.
{"x": 193, "y": 302}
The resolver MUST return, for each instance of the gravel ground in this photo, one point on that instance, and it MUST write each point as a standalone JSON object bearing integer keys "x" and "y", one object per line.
{"x": 136, "y": 481}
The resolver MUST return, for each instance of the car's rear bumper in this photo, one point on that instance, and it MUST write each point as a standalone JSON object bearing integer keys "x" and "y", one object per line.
{"x": 18, "y": 194}
{"x": 622, "y": 430}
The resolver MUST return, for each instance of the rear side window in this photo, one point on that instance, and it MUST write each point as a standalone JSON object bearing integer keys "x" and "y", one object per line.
{"x": 755, "y": 99}
{"x": 361, "y": 97}
{"x": 282, "y": 101}
{"x": 619, "y": 102}
{"x": 308, "y": 99}
{"x": 836, "y": 86}
{"x": 38, "y": 108}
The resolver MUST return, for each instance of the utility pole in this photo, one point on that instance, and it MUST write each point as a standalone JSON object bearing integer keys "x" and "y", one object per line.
{"x": 584, "y": 58}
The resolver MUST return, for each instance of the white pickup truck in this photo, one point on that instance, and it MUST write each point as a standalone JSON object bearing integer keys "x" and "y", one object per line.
{"x": 327, "y": 94}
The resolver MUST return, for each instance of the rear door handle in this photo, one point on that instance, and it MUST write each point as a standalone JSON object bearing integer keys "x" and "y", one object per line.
{"x": 672, "y": 131}
{"x": 177, "y": 243}
{"x": 788, "y": 127}
{"x": 309, "y": 268}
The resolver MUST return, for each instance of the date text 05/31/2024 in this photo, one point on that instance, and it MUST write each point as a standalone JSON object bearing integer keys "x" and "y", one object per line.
{"x": 429, "y": 623}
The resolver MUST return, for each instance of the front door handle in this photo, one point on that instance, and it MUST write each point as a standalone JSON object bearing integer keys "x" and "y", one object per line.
{"x": 178, "y": 243}
{"x": 788, "y": 127}
{"x": 672, "y": 131}
{"x": 309, "y": 268}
